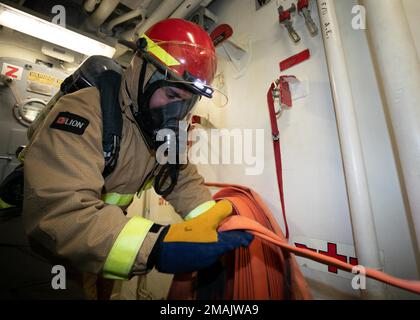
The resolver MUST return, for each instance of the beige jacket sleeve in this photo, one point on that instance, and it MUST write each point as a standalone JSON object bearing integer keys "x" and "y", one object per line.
{"x": 63, "y": 209}
{"x": 189, "y": 192}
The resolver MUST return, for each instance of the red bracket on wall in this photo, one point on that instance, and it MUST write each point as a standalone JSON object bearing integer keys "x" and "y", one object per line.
{"x": 221, "y": 33}
{"x": 282, "y": 95}
{"x": 294, "y": 60}
{"x": 285, "y": 94}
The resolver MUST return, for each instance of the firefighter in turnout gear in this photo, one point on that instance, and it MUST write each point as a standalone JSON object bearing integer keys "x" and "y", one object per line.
{"x": 76, "y": 190}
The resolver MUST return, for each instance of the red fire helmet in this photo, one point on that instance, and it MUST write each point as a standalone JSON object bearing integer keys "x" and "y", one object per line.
{"x": 184, "y": 48}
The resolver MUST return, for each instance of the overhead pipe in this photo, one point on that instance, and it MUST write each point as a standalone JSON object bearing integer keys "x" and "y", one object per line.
{"x": 362, "y": 219}
{"x": 90, "y": 5}
{"x": 125, "y": 17}
{"x": 186, "y": 8}
{"x": 141, "y": 10}
{"x": 392, "y": 47}
{"x": 165, "y": 9}
{"x": 98, "y": 17}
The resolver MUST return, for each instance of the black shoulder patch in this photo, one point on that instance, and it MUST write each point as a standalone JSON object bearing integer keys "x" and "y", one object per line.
{"x": 70, "y": 122}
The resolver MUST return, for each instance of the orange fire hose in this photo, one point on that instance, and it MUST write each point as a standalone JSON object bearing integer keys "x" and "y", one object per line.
{"x": 241, "y": 222}
{"x": 263, "y": 270}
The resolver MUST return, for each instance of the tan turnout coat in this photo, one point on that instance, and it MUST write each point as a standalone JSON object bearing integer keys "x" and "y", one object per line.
{"x": 63, "y": 206}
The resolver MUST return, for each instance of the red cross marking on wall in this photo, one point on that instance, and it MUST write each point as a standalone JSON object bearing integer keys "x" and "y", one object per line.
{"x": 353, "y": 261}
{"x": 332, "y": 252}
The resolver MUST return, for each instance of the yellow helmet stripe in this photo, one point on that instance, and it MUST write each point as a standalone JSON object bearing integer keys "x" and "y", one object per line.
{"x": 160, "y": 53}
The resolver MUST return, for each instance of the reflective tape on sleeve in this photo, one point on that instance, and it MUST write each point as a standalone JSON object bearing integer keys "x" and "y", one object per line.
{"x": 118, "y": 199}
{"x": 124, "y": 251}
{"x": 200, "y": 209}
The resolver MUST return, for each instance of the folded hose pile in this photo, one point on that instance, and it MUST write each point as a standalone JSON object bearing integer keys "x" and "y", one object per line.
{"x": 267, "y": 269}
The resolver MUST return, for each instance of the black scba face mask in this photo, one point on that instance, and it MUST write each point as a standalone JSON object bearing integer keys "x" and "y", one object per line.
{"x": 163, "y": 129}
{"x": 158, "y": 120}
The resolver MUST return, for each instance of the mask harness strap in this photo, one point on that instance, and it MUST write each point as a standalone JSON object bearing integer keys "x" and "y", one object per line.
{"x": 142, "y": 78}
{"x": 167, "y": 171}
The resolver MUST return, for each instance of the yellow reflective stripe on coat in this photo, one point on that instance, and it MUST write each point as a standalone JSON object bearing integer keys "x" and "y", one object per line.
{"x": 118, "y": 199}
{"x": 199, "y": 210}
{"x": 160, "y": 53}
{"x": 124, "y": 251}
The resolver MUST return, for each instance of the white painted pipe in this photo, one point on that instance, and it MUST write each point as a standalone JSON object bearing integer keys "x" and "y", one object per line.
{"x": 165, "y": 9}
{"x": 362, "y": 218}
{"x": 90, "y": 5}
{"x": 99, "y": 16}
{"x": 392, "y": 46}
{"x": 141, "y": 10}
{"x": 125, "y": 17}
{"x": 186, "y": 8}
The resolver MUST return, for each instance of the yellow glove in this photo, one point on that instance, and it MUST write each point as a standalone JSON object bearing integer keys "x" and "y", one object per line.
{"x": 195, "y": 244}
{"x": 202, "y": 228}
